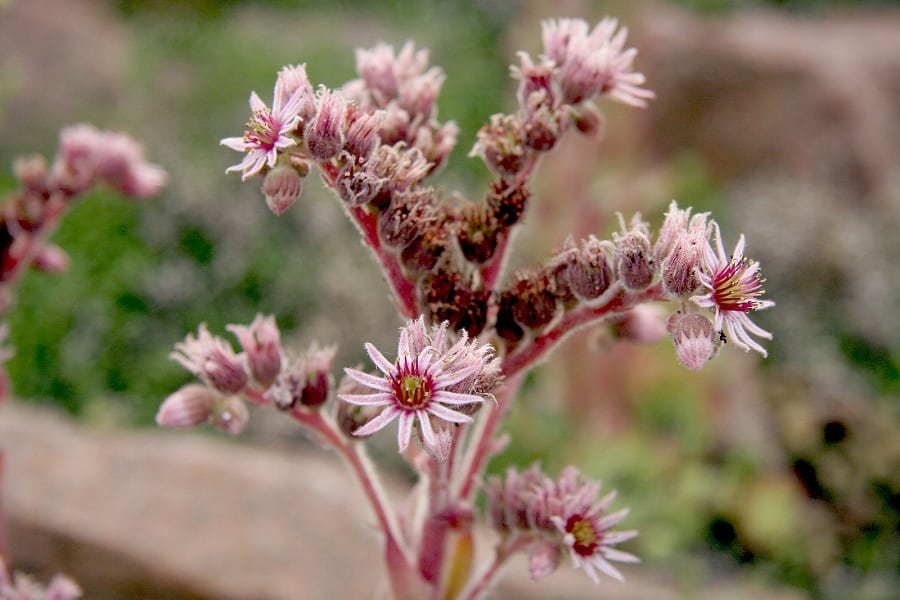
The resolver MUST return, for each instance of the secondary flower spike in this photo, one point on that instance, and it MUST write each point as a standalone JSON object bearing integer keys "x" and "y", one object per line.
{"x": 420, "y": 384}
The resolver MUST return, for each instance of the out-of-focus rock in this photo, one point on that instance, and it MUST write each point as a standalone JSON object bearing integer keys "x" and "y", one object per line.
{"x": 814, "y": 96}
{"x": 177, "y": 516}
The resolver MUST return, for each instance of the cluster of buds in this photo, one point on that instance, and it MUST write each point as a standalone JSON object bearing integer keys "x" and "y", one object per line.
{"x": 548, "y": 519}
{"x": 472, "y": 331}
{"x": 262, "y": 372}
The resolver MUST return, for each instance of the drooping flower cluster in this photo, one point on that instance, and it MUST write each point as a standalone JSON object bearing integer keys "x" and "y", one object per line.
{"x": 429, "y": 376}
{"x": 558, "y": 517}
{"x": 262, "y": 372}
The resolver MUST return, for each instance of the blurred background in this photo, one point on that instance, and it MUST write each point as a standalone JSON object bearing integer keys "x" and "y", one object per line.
{"x": 781, "y": 117}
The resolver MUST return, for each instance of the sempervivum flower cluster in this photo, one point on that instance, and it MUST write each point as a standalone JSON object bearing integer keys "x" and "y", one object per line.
{"x": 433, "y": 383}
{"x": 557, "y": 91}
{"x": 262, "y": 371}
{"x": 559, "y": 517}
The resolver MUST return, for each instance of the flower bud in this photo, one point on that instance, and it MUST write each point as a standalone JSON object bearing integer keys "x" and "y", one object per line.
{"x": 478, "y": 234}
{"x": 261, "y": 342}
{"x": 424, "y": 252}
{"x": 230, "y": 415}
{"x": 212, "y": 359}
{"x": 634, "y": 261}
{"x": 506, "y": 326}
{"x": 450, "y": 297}
{"x": 500, "y": 145}
{"x": 32, "y": 172}
{"x": 190, "y": 406}
{"x": 51, "y": 259}
{"x": 351, "y": 417}
{"x": 588, "y": 119}
{"x": 507, "y": 203}
{"x": 408, "y": 214}
{"x": 681, "y": 266}
{"x": 533, "y": 304}
{"x": 325, "y": 135}
{"x": 696, "y": 340}
{"x": 543, "y": 559}
{"x": 588, "y": 270}
{"x": 362, "y": 131}
{"x": 282, "y": 187}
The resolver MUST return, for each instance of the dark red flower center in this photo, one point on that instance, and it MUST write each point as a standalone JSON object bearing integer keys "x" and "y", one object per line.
{"x": 412, "y": 389}
{"x": 587, "y": 538}
{"x": 733, "y": 290}
{"x": 262, "y": 130}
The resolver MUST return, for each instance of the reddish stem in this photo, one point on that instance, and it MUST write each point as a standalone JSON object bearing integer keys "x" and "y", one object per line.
{"x": 404, "y": 289}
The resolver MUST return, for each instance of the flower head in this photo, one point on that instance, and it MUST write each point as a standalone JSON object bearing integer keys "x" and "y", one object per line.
{"x": 212, "y": 359}
{"x": 564, "y": 512}
{"x": 269, "y": 130}
{"x": 735, "y": 286}
{"x": 426, "y": 378}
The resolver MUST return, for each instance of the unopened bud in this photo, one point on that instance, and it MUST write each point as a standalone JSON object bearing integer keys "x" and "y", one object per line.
{"x": 190, "y": 406}
{"x": 681, "y": 266}
{"x": 479, "y": 233}
{"x": 362, "y": 131}
{"x": 261, "y": 342}
{"x": 32, "y": 172}
{"x": 543, "y": 560}
{"x": 506, "y": 326}
{"x": 634, "y": 262}
{"x": 325, "y": 136}
{"x": 588, "y": 270}
{"x": 212, "y": 359}
{"x": 230, "y": 414}
{"x": 407, "y": 215}
{"x": 696, "y": 340}
{"x": 282, "y": 187}
{"x": 534, "y": 305}
{"x": 351, "y": 417}
{"x": 423, "y": 254}
{"x": 51, "y": 259}
{"x": 588, "y": 120}
{"x": 507, "y": 203}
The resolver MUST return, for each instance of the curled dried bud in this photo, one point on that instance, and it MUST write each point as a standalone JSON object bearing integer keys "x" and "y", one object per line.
{"x": 478, "y": 233}
{"x": 696, "y": 340}
{"x": 500, "y": 145}
{"x": 533, "y": 304}
{"x": 505, "y": 325}
{"x": 588, "y": 119}
{"x": 450, "y": 297}
{"x": 190, "y": 406}
{"x": 508, "y": 203}
{"x": 425, "y": 251}
{"x": 282, "y": 187}
{"x": 408, "y": 214}
{"x": 588, "y": 270}
{"x": 633, "y": 259}
{"x": 543, "y": 125}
